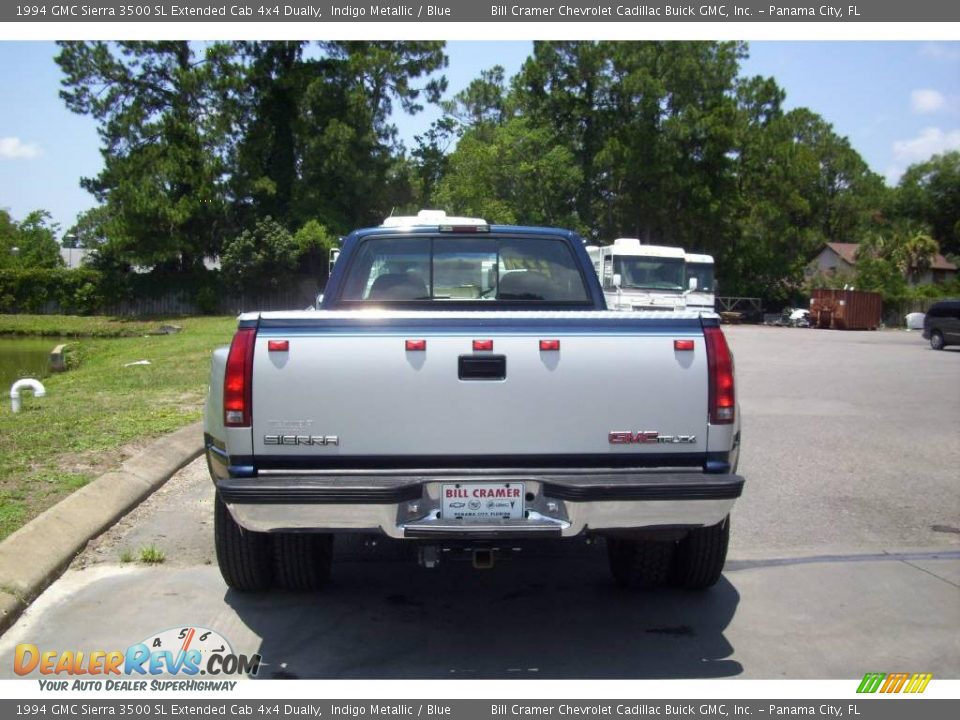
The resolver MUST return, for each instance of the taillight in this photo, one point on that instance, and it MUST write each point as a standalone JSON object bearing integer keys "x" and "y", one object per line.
{"x": 723, "y": 401}
{"x": 237, "y": 382}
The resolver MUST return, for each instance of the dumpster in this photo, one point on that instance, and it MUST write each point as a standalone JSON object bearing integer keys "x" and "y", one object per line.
{"x": 846, "y": 309}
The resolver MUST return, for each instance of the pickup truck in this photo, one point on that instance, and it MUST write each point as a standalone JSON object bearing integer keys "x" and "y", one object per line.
{"x": 462, "y": 386}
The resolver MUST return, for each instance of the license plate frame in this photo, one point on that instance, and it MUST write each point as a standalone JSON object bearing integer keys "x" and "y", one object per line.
{"x": 479, "y": 502}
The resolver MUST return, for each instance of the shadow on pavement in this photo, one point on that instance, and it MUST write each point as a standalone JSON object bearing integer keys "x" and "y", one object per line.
{"x": 551, "y": 614}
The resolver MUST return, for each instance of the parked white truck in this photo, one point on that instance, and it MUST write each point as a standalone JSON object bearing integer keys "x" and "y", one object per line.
{"x": 462, "y": 385}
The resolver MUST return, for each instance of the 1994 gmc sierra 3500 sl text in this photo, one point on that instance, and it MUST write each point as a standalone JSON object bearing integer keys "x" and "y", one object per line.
{"x": 463, "y": 386}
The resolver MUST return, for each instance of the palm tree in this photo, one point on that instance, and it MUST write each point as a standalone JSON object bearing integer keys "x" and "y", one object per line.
{"x": 917, "y": 254}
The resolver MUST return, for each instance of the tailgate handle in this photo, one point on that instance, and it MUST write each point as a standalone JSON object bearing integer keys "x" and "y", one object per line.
{"x": 486, "y": 367}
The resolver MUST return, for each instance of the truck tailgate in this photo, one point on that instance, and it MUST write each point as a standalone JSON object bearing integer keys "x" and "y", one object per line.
{"x": 345, "y": 389}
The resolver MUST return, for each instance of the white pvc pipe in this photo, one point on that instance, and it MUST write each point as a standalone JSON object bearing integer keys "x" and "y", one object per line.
{"x": 25, "y": 384}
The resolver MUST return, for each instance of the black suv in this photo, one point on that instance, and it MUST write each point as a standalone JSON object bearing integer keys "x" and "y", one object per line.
{"x": 941, "y": 324}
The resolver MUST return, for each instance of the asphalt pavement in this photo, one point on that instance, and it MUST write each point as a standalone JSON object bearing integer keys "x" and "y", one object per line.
{"x": 844, "y": 558}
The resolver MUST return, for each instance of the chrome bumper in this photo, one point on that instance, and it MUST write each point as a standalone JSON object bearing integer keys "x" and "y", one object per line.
{"x": 409, "y": 507}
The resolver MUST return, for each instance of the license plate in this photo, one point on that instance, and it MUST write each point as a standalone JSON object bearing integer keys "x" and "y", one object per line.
{"x": 482, "y": 501}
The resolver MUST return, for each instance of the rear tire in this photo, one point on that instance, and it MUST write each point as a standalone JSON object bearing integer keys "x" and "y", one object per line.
{"x": 244, "y": 556}
{"x": 936, "y": 340}
{"x": 639, "y": 564}
{"x": 302, "y": 561}
{"x": 701, "y": 555}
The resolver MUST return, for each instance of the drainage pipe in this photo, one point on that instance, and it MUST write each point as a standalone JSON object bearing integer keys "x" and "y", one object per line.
{"x": 25, "y": 384}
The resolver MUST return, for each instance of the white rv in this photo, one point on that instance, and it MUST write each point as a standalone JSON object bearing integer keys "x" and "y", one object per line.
{"x": 640, "y": 277}
{"x": 701, "y": 296}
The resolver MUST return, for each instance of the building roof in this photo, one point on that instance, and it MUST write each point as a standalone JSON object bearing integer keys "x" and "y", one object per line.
{"x": 848, "y": 253}
{"x": 941, "y": 263}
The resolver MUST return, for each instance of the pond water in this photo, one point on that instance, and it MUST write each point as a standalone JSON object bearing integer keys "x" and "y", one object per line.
{"x": 24, "y": 357}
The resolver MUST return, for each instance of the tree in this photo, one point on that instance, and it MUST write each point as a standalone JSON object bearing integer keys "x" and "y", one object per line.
{"x": 90, "y": 229}
{"x": 514, "y": 173}
{"x": 929, "y": 192}
{"x": 260, "y": 258}
{"x": 667, "y": 158}
{"x": 268, "y": 111}
{"x": 314, "y": 242}
{"x": 164, "y": 129}
{"x": 563, "y": 88}
{"x": 8, "y": 240}
{"x": 348, "y": 164}
{"x": 483, "y": 103}
{"x": 430, "y": 159}
{"x": 915, "y": 253}
{"x": 799, "y": 185}
{"x": 30, "y": 243}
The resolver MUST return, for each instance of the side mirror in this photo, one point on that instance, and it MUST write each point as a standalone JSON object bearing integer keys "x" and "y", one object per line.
{"x": 334, "y": 256}
{"x": 616, "y": 280}
{"x": 693, "y": 284}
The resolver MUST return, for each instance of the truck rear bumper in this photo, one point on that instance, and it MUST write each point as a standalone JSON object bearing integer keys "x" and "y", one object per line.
{"x": 409, "y": 506}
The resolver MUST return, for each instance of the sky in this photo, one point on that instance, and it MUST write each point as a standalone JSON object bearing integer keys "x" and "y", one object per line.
{"x": 898, "y": 103}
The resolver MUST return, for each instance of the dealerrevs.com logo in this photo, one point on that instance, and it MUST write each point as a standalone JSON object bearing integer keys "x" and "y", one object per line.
{"x": 188, "y": 652}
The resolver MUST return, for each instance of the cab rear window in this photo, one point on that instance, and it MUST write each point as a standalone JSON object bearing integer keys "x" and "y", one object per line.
{"x": 463, "y": 269}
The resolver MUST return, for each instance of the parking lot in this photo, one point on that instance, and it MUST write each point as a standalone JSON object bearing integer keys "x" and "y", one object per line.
{"x": 844, "y": 557}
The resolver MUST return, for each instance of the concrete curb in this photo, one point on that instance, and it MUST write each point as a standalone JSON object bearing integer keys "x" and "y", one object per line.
{"x": 36, "y": 554}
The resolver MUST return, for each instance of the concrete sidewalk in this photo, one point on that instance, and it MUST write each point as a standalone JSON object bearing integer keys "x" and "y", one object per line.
{"x": 35, "y": 555}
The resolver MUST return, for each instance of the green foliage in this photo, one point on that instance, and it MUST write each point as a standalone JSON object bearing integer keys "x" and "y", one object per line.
{"x": 483, "y": 103}
{"x": 929, "y": 192}
{"x": 152, "y": 555}
{"x": 314, "y": 237}
{"x": 314, "y": 242}
{"x": 90, "y": 229}
{"x": 162, "y": 121}
{"x": 259, "y": 258}
{"x": 431, "y": 160}
{"x": 31, "y": 290}
{"x": 316, "y": 141}
{"x": 208, "y": 300}
{"x": 673, "y": 147}
{"x": 29, "y": 244}
{"x": 799, "y": 185}
{"x": 880, "y": 275}
{"x": 512, "y": 174}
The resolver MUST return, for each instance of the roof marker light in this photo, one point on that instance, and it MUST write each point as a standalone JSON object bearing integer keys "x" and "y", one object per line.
{"x": 482, "y": 345}
{"x": 278, "y": 346}
{"x": 549, "y": 345}
{"x": 683, "y": 345}
{"x": 416, "y": 345}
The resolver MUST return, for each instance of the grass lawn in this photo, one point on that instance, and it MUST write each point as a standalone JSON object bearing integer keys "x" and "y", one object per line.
{"x": 59, "y": 443}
